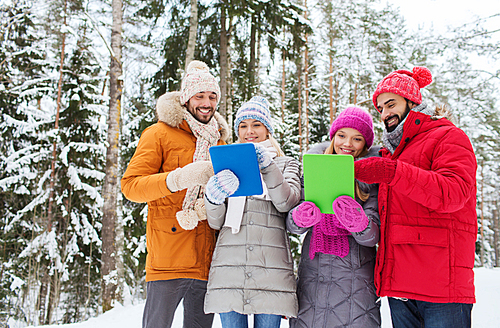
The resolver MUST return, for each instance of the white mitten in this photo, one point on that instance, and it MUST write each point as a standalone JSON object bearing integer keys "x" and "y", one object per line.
{"x": 220, "y": 186}
{"x": 263, "y": 156}
{"x": 193, "y": 174}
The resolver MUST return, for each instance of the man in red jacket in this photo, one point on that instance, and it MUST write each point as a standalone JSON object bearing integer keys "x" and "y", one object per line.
{"x": 427, "y": 204}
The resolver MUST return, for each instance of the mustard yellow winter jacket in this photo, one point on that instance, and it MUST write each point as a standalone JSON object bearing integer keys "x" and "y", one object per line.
{"x": 172, "y": 251}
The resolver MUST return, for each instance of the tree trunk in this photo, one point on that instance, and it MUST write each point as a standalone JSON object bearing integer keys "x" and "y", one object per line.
{"x": 355, "y": 95}
{"x": 331, "y": 83}
{"x": 50, "y": 214}
{"x": 193, "y": 29}
{"x": 306, "y": 81}
{"x": 223, "y": 62}
{"x": 120, "y": 242}
{"x": 46, "y": 287}
{"x": 283, "y": 85}
{"x": 229, "y": 91}
{"x": 108, "y": 270}
{"x": 41, "y": 303}
{"x": 299, "y": 102}
{"x": 482, "y": 215}
{"x": 496, "y": 231}
{"x": 251, "y": 63}
{"x": 336, "y": 97}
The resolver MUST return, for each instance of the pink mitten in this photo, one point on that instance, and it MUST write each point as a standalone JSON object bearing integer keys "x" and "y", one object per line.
{"x": 306, "y": 215}
{"x": 350, "y": 214}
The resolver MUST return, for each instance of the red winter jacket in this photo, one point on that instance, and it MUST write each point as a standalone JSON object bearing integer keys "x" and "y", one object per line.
{"x": 428, "y": 215}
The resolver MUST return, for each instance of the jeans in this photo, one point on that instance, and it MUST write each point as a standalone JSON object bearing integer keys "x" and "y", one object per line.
{"x": 238, "y": 320}
{"x": 420, "y": 314}
{"x": 163, "y": 297}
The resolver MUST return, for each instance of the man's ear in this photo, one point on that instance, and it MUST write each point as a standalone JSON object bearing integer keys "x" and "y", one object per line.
{"x": 411, "y": 104}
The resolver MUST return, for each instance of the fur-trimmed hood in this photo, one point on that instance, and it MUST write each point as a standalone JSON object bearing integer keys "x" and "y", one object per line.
{"x": 170, "y": 111}
{"x": 443, "y": 112}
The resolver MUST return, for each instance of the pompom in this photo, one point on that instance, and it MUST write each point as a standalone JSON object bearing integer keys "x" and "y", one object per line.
{"x": 198, "y": 65}
{"x": 188, "y": 219}
{"x": 422, "y": 75}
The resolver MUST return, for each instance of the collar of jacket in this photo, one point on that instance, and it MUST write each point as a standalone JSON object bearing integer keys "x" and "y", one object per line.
{"x": 170, "y": 111}
{"x": 321, "y": 147}
{"x": 417, "y": 123}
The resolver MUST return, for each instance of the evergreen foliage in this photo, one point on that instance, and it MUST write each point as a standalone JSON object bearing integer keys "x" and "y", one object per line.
{"x": 50, "y": 271}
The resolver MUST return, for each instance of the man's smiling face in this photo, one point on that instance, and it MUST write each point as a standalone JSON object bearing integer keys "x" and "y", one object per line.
{"x": 393, "y": 109}
{"x": 202, "y": 106}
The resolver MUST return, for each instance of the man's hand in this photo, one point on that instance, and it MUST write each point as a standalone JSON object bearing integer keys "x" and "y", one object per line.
{"x": 193, "y": 174}
{"x": 375, "y": 170}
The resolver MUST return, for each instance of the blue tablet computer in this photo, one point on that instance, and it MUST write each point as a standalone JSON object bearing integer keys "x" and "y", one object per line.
{"x": 242, "y": 161}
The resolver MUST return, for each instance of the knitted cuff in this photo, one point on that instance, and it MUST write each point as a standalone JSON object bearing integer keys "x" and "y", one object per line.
{"x": 172, "y": 180}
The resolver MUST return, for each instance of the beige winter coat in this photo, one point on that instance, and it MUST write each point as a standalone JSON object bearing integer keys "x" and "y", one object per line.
{"x": 252, "y": 271}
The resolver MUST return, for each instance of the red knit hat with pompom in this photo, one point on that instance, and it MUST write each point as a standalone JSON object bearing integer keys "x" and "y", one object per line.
{"x": 405, "y": 83}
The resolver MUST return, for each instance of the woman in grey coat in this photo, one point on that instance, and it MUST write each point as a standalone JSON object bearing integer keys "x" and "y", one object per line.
{"x": 252, "y": 265}
{"x": 335, "y": 277}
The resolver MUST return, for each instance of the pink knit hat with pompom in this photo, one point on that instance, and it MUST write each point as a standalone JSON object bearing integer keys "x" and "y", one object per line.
{"x": 355, "y": 118}
{"x": 405, "y": 83}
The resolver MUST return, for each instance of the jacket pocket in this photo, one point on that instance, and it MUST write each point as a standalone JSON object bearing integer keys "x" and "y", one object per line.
{"x": 421, "y": 260}
{"x": 170, "y": 247}
{"x": 172, "y": 162}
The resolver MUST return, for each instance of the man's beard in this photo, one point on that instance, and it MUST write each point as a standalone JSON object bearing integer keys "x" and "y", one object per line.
{"x": 400, "y": 119}
{"x": 196, "y": 112}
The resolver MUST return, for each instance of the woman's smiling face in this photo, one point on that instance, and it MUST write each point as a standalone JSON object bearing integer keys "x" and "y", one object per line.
{"x": 251, "y": 130}
{"x": 348, "y": 141}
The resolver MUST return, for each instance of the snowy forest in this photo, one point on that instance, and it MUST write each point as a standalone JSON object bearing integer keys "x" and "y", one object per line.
{"x": 79, "y": 81}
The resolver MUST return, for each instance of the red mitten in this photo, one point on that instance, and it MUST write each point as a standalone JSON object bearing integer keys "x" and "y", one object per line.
{"x": 375, "y": 170}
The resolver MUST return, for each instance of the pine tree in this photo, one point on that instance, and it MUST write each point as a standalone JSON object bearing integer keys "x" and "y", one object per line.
{"x": 53, "y": 263}
{"x": 21, "y": 92}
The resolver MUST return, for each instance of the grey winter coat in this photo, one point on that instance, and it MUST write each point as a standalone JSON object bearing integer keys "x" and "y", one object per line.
{"x": 335, "y": 291}
{"x": 252, "y": 271}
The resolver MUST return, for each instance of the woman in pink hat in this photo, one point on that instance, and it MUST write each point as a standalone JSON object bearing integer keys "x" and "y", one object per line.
{"x": 335, "y": 284}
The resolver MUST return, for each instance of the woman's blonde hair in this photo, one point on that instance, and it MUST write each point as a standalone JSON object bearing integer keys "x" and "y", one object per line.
{"x": 276, "y": 145}
{"x": 357, "y": 190}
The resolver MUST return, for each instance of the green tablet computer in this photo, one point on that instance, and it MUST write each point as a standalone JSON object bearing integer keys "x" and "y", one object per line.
{"x": 327, "y": 177}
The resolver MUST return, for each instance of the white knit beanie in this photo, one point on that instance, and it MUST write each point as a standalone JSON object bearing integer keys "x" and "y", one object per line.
{"x": 198, "y": 79}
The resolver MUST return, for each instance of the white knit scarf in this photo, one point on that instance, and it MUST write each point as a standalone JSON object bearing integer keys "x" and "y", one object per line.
{"x": 236, "y": 205}
{"x": 207, "y": 135}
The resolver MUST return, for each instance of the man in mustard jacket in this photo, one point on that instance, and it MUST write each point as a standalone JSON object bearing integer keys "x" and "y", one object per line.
{"x": 169, "y": 170}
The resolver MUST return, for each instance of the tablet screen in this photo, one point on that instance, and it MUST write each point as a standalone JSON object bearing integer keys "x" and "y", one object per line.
{"x": 242, "y": 161}
{"x": 327, "y": 177}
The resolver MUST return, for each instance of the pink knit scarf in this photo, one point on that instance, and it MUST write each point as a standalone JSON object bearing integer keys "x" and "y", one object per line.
{"x": 329, "y": 237}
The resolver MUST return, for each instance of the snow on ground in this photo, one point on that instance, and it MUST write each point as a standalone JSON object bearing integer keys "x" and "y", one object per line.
{"x": 485, "y": 313}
